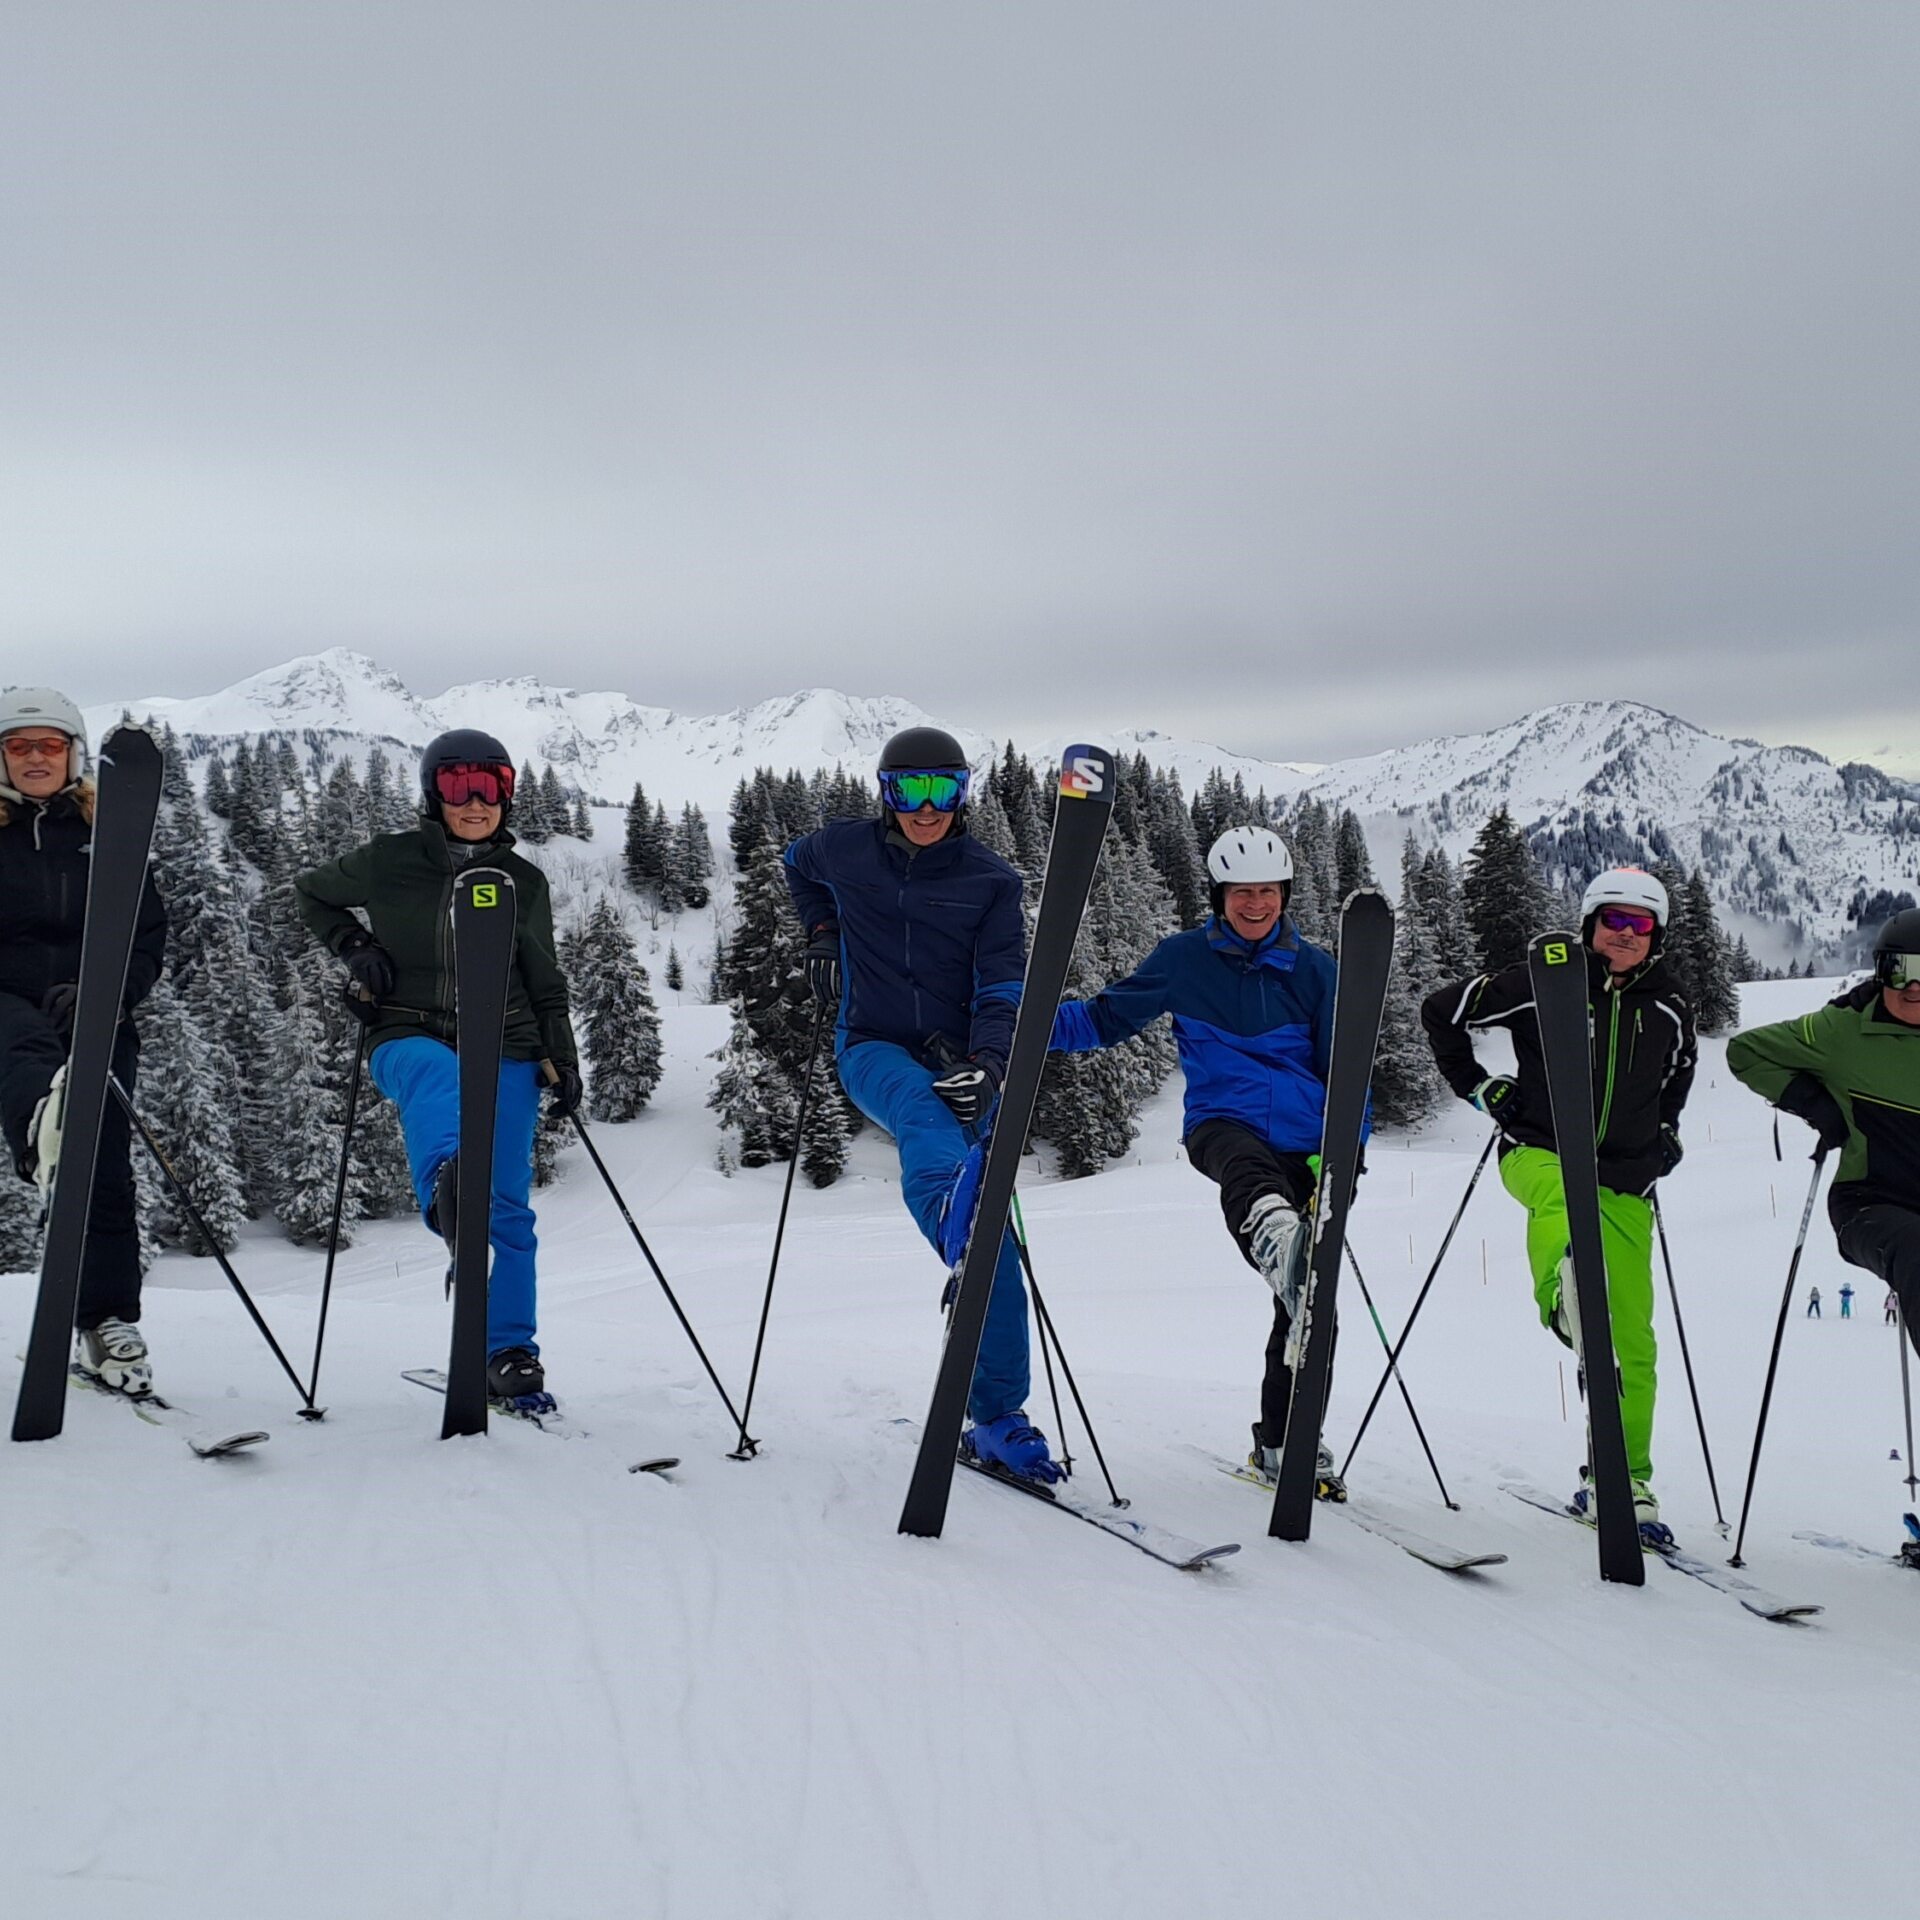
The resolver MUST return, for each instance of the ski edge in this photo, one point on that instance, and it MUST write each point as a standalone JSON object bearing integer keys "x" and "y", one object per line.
{"x": 1158, "y": 1543}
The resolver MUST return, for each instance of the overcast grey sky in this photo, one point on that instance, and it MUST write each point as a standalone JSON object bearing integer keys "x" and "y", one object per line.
{"x": 1308, "y": 377}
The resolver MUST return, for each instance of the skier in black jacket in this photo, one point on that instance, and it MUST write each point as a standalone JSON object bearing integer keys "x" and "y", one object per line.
{"x": 1643, "y": 1051}
{"x": 46, "y": 828}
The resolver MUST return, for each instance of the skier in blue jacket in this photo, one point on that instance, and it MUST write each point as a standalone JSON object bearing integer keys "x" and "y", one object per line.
{"x": 918, "y": 947}
{"x": 1252, "y": 1007}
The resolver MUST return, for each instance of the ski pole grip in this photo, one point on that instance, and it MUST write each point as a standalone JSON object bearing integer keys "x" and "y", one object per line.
{"x": 549, "y": 1074}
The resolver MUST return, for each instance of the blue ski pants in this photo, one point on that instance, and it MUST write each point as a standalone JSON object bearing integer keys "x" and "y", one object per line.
{"x": 421, "y": 1076}
{"x": 895, "y": 1091}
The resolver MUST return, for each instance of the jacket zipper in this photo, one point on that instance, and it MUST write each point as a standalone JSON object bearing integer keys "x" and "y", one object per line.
{"x": 1613, "y": 1051}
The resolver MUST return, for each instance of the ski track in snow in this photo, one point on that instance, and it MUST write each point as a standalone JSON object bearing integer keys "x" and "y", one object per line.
{"x": 362, "y": 1670}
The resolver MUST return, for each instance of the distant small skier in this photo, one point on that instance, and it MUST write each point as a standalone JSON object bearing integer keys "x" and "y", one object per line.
{"x": 402, "y": 957}
{"x": 1851, "y": 1070}
{"x": 1252, "y": 1007}
{"x": 46, "y": 834}
{"x": 918, "y": 948}
{"x": 1813, "y": 1303}
{"x": 1892, "y": 1309}
{"x": 1846, "y": 1299}
{"x": 1643, "y": 1064}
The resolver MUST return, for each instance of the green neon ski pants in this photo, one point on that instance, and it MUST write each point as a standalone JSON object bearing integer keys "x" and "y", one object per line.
{"x": 1532, "y": 1176}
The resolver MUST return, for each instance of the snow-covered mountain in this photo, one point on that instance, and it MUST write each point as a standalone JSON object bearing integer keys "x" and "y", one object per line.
{"x": 1783, "y": 834}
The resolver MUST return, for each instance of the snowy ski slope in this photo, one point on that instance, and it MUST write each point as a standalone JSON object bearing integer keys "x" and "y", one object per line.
{"x": 362, "y": 1671}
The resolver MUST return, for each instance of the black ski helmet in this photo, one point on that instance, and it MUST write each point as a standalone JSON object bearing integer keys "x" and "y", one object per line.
{"x": 1901, "y": 934}
{"x": 925, "y": 750}
{"x": 463, "y": 745}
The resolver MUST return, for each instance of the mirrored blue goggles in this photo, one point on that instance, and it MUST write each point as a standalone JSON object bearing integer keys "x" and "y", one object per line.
{"x": 909, "y": 792}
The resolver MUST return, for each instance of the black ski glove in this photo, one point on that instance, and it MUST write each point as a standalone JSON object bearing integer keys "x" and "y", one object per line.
{"x": 970, "y": 1090}
{"x": 58, "y": 1002}
{"x": 1807, "y": 1099}
{"x": 1670, "y": 1150}
{"x": 370, "y": 964}
{"x": 823, "y": 964}
{"x": 567, "y": 1088}
{"x": 1498, "y": 1097}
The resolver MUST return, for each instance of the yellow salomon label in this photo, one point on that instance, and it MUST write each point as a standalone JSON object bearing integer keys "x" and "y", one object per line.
{"x": 1554, "y": 953}
{"x": 486, "y": 895}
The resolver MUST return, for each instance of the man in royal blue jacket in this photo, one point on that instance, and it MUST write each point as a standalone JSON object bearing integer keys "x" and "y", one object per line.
{"x": 917, "y": 945}
{"x": 1252, "y": 1007}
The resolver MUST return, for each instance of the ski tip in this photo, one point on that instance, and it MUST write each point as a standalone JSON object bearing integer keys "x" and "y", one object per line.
{"x": 233, "y": 1443}
{"x": 663, "y": 1465}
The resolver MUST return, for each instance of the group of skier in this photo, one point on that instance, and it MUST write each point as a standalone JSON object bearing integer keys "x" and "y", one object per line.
{"x": 916, "y": 951}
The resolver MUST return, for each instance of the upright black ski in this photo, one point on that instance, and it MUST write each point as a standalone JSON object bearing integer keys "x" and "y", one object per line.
{"x": 1366, "y": 956}
{"x": 128, "y": 799}
{"x": 1080, "y": 817}
{"x": 484, "y": 915}
{"x": 1557, "y": 963}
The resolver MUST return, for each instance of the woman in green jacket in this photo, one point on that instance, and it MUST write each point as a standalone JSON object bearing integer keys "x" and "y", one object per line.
{"x": 401, "y": 956}
{"x": 1851, "y": 1070}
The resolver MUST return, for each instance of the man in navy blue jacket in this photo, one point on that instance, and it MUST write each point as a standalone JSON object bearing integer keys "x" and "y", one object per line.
{"x": 918, "y": 945}
{"x": 1252, "y": 1007}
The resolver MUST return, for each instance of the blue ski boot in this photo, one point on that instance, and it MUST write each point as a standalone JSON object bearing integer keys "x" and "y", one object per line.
{"x": 1015, "y": 1445}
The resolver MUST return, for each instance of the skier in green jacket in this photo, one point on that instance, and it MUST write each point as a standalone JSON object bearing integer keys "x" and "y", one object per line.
{"x": 401, "y": 957}
{"x": 1851, "y": 1070}
{"x": 1643, "y": 1063}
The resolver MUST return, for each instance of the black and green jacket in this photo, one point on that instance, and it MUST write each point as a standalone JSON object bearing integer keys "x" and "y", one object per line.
{"x": 404, "y": 884}
{"x": 1870, "y": 1063}
{"x": 1643, "y": 1047}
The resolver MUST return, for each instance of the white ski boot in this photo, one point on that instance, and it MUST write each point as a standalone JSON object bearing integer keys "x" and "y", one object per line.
{"x": 115, "y": 1354}
{"x": 1277, "y": 1238}
{"x": 1265, "y": 1462}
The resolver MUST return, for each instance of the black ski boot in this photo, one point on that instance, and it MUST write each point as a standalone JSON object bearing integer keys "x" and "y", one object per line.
{"x": 443, "y": 1215}
{"x": 515, "y": 1374}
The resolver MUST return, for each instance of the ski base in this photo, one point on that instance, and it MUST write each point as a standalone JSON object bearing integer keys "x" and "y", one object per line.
{"x": 1755, "y": 1599}
{"x": 233, "y": 1443}
{"x": 536, "y": 1409}
{"x": 1432, "y": 1553}
{"x": 1156, "y": 1542}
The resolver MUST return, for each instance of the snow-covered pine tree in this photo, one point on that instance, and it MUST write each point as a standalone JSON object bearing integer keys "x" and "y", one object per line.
{"x": 19, "y": 1222}
{"x": 676, "y": 974}
{"x": 307, "y": 1111}
{"x": 553, "y": 803}
{"x": 582, "y": 825}
{"x": 638, "y": 860}
{"x": 753, "y": 1098}
{"x": 667, "y": 891}
{"x": 184, "y": 1093}
{"x": 621, "y": 1030}
{"x": 1506, "y": 903}
{"x": 693, "y": 856}
{"x": 1175, "y": 853}
{"x": 1444, "y": 912}
{"x": 1352, "y": 865}
{"x": 1716, "y": 1005}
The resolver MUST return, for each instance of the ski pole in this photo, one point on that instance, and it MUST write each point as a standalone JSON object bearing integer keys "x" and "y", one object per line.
{"x": 748, "y": 1448}
{"x": 173, "y": 1180}
{"x": 1680, "y": 1327}
{"x": 1047, "y": 1333}
{"x": 640, "y": 1240}
{"x": 1906, "y": 1389}
{"x": 1420, "y": 1300}
{"x": 1046, "y": 1350}
{"x": 352, "y": 996}
{"x": 1773, "y": 1359}
{"x": 1393, "y": 1367}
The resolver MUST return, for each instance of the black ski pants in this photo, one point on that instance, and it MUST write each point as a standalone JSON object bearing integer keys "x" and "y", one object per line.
{"x": 1245, "y": 1167}
{"x": 31, "y": 1051}
{"x": 1885, "y": 1239}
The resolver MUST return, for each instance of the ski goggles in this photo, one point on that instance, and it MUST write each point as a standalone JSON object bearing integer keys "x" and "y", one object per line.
{"x": 1628, "y": 920}
{"x": 46, "y": 746}
{"x": 483, "y": 780}
{"x": 909, "y": 792}
{"x": 1898, "y": 969}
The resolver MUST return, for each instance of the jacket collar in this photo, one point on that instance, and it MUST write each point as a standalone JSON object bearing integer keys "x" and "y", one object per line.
{"x": 440, "y": 841}
{"x": 894, "y": 841}
{"x": 1278, "y": 952}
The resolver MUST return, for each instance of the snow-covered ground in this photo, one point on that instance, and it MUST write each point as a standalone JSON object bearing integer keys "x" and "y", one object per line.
{"x": 362, "y": 1671}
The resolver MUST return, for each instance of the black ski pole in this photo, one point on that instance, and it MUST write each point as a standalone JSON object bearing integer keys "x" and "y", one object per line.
{"x": 1393, "y": 1367}
{"x": 1046, "y": 1352}
{"x": 748, "y": 1448}
{"x": 1686, "y": 1359}
{"x": 1906, "y": 1389}
{"x": 1393, "y": 1357}
{"x": 1773, "y": 1359}
{"x": 352, "y": 995}
{"x": 640, "y": 1240}
{"x": 1047, "y": 1333}
{"x": 180, "y": 1193}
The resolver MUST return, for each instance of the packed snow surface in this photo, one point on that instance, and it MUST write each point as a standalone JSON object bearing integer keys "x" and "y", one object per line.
{"x": 365, "y": 1671}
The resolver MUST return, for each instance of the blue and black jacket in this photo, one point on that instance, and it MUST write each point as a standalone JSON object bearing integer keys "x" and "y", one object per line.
{"x": 933, "y": 945}
{"x": 1254, "y": 1025}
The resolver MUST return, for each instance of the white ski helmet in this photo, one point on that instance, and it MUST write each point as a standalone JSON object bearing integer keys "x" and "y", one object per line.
{"x": 23, "y": 707}
{"x": 1625, "y": 887}
{"x": 1249, "y": 857}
